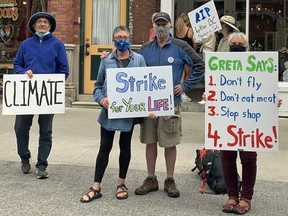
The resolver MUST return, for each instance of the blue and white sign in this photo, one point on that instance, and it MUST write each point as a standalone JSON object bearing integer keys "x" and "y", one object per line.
{"x": 138, "y": 91}
{"x": 204, "y": 20}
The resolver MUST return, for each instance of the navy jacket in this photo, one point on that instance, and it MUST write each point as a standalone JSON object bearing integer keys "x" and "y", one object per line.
{"x": 176, "y": 53}
{"x": 42, "y": 57}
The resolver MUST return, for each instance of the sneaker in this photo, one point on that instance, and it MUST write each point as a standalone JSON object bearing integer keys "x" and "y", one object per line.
{"x": 41, "y": 173}
{"x": 185, "y": 98}
{"x": 149, "y": 184}
{"x": 25, "y": 166}
{"x": 170, "y": 188}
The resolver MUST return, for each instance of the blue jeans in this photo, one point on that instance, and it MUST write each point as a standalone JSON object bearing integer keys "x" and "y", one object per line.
{"x": 22, "y": 128}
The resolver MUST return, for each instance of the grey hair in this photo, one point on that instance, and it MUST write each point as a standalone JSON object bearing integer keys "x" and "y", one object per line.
{"x": 120, "y": 28}
{"x": 239, "y": 34}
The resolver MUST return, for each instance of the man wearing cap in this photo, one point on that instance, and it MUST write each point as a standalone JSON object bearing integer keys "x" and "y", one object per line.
{"x": 162, "y": 51}
{"x": 228, "y": 26}
{"x": 41, "y": 54}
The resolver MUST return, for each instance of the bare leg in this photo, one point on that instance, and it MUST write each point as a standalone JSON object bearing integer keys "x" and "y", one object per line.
{"x": 170, "y": 158}
{"x": 151, "y": 156}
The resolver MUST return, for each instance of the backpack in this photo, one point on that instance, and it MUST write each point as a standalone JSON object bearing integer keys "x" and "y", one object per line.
{"x": 209, "y": 165}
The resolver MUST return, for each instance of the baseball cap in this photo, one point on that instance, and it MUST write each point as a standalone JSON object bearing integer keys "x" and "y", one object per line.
{"x": 163, "y": 16}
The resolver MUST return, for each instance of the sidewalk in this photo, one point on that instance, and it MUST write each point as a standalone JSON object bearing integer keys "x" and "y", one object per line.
{"x": 71, "y": 169}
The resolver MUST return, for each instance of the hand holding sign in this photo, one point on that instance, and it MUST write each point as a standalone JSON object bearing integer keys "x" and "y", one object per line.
{"x": 105, "y": 102}
{"x": 29, "y": 73}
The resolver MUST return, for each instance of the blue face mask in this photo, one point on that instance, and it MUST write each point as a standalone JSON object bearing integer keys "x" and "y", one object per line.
{"x": 122, "y": 45}
{"x": 42, "y": 35}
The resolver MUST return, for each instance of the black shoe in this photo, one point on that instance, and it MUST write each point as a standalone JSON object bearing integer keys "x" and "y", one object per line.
{"x": 41, "y": 173}
{"x": 25, "y": 166}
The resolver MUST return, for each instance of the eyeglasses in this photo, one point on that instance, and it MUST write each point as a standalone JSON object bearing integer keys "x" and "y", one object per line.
{"x": 45, "y": 22}
{"x": 121, "y": 38}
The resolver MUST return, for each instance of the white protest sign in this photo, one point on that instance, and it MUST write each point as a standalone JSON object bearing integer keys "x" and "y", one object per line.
{"x": 241, "y": 101}
{"x": 43, "y": 94}
{"x": 204, "y": 20}
{"x": 136, "y": 91}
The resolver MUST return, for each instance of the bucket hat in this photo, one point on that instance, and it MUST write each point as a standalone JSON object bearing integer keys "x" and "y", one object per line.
{"x": 38, "y": 15}
{"x": 229, "y": 20}
{"x": 283, "y": 50}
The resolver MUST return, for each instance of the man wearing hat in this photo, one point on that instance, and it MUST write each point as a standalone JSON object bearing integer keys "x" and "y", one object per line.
{"x": 228, "y": 26}
{"x": 164, "y": 50}
{"x": 41, "y": 54}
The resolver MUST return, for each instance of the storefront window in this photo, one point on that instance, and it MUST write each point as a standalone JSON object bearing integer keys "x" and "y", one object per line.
{"x": 14, "y": 16}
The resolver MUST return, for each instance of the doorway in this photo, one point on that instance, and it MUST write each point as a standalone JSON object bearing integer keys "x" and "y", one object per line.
{"x": 101, "y": 17}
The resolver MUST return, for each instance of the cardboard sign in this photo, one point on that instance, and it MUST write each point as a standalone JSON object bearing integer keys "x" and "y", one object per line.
{"x": 43, "y": 94}
{"x": 204, "y": 20}
{"x": 241, "y": 101}
{"x": 137, "y": 91}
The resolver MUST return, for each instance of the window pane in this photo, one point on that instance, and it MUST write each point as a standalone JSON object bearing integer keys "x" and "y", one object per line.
{"x": 12, "y": 28}
{"x": 14, "y": 16}
{"x": 106, "y": 16}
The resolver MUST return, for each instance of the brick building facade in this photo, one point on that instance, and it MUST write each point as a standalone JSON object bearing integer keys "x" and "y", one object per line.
{"x": 140, "y": 18}
{"x": 68, "y": 15}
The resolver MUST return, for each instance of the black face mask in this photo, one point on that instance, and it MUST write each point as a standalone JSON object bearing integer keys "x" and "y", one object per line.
{"x": 237, "y": 48}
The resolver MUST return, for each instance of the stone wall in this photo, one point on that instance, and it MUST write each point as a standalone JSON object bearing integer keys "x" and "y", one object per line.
{"x": 72, "y": 83}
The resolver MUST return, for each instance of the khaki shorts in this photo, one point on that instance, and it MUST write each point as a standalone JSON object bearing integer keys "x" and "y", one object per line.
{"x": 167, "y": 130}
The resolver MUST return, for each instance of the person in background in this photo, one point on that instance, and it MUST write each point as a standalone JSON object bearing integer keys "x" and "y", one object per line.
{"x": 152, "y": 31}
{"x": 207, "y": 43}
{"x": 41, "y": 54}
{"x": 183, "y": 31}
{"x": 166, "y": 130}
{"x": 123, "y": 56}
{"x": 228, "y": 27}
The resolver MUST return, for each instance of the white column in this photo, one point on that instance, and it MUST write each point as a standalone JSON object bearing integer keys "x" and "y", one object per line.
{"x": 247, "y": 17}
{"x": 168, "y": 7}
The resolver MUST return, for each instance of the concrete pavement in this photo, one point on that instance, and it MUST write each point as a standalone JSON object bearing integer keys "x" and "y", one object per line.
{"x": 71, "y": 169}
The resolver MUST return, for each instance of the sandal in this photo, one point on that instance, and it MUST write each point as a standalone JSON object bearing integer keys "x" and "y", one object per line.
{"x": 242, "y": 209}
{"x": 124, "y": 189}
{"x": 229, "y": 206}
{"x": 96, "y": 195}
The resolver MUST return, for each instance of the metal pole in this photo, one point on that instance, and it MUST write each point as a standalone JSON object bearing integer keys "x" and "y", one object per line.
{"x": 247, "y": 17}
{"x": 284, "y": 14}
